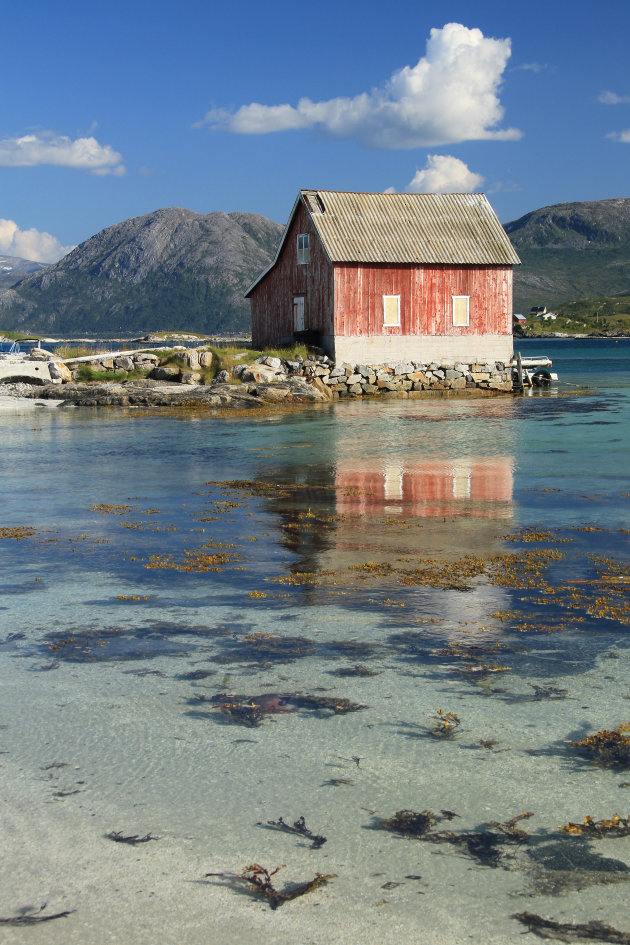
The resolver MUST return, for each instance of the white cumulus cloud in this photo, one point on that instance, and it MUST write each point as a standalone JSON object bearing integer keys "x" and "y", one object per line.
{"x": 611, "y": 98}
{"x": 622, "y": 136}
{"x": 46, "y": 147}
{"x": 30, "y": 244}
{"x": 450, "y": 95}
{"x": 444, "y": 174}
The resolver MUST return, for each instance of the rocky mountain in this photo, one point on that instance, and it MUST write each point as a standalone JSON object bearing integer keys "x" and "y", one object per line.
{"x": 172, "y": 269}
{"x": 13, "y": 268}
{"x": 571, "y": 250}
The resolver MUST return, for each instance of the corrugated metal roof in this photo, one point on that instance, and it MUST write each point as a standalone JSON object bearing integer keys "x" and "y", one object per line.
{"x": 449, "y": 229}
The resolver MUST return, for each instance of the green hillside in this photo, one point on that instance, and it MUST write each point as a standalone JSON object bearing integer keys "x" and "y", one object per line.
{"x": 571, "y": 251}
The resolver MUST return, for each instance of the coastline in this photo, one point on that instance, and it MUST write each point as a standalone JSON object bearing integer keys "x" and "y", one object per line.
{"x": 218, "y": 397}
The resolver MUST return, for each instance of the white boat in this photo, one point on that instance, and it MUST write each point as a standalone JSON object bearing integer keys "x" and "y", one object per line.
{"x": 532, "y": 372}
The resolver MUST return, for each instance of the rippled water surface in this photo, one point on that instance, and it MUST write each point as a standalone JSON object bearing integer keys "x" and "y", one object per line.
{"x": 353, "y": 614}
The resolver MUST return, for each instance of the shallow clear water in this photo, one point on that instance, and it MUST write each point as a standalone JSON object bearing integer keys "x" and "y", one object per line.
{"x": 471, "y": 554}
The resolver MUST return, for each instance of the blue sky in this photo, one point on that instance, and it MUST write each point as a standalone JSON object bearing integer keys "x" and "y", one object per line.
{"x": 112, "y": 111}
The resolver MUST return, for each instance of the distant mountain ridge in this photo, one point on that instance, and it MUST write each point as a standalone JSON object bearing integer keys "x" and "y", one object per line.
{"x": 570, "y": 251}
{"x": 172, "y": 268}
{"x": 180, "y": 270}
{"x": 14, "y": 268}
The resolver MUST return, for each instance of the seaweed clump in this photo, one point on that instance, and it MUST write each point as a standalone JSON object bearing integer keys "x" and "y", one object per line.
{"x": 264, "y": 647}
{"x": 243, "y": 713}
{"x": 337, "y": 705}
{"x": 485, "y": 844}
{"x": 251, "y": 710}
{"x": 615, "y": 826}
{"x": 358, "y": 670}
{"x": 299, "y": 827}
{"x": 17, "y": 532}
{"x": 132, "y": 839}
{"x": 445, "y": 724}
{"x": 572, "y": 931}
{"x": 610, "y": 747}
{"x": 410, "y": 823}
{"x": 259, "y": 881}
{"x": 33, "y": 918}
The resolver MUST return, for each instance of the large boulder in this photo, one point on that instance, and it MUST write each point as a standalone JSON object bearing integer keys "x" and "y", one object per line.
{"x": 262, "y": 373}
{"x": 166, "y": 372}
{"x": 145, "y": 359}
{"x": 40, "y": 354}
{"x": 59, "y": 371}
{"x": 191, "y": 359}
{"x": 190, "y": 377}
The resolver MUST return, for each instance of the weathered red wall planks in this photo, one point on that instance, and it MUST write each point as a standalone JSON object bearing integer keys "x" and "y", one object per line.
{"x": 272, "y": 299}
{"x": 426, "y": 294}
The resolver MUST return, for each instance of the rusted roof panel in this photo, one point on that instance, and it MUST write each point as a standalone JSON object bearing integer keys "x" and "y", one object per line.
{"x": 441, "y": 229}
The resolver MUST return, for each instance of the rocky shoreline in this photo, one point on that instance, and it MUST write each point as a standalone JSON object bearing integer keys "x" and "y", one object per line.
{"x": 146, "y": 393}
{"x": 188, "y": 382}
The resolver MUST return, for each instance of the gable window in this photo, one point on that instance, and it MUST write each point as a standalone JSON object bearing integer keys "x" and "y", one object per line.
{"x": 391, "y": 310}
{"x": 461, "y": 311}
{"x": 303, "y": 249}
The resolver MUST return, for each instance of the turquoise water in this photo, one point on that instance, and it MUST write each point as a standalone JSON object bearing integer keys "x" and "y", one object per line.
{"x": 469, "y": 556}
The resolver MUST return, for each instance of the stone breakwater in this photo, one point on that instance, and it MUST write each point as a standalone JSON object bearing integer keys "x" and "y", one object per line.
{"x": 333, "y": 380}
{"x": 359, "y": 380}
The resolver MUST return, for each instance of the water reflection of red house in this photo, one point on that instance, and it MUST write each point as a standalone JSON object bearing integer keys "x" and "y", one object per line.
{"x": 471, "y": 487}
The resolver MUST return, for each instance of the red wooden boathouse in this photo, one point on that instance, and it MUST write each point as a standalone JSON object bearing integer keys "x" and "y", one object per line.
{"x": 377, "y": 278}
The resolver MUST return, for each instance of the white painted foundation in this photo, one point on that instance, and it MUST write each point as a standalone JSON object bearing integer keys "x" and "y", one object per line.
{"x": 383, "y": 349}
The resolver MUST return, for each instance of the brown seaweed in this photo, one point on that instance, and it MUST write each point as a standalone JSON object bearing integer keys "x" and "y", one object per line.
{"x": 572, "y": 931}
{"x": 196, "y": 674}
{"x": 410, "y": 823}
{"x": 615, "y": 826}
{"x": 299, "y": 827}
{"x": 259, "y": 880}
{"x": 31, "y": 918}
{"x": 509, "y": 828}
{"x": 243, "y": 713}
{"x": 259, "y": 647}
{"x": 610, "y": 748}
{"x": 251, "y": 710}
{"x": 133, "y": 839}
{"x": 548, "y": 692}
{"x": 337, "y": 705}
{"x": 445, "y": 724}
{"x": 358, "y": 670}
{"x": 486, "y": 844}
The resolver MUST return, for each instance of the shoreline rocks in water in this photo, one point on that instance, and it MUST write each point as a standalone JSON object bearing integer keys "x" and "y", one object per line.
{"x": 147, "y": 393}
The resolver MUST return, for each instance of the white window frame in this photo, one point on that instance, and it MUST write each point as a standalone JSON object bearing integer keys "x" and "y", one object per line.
{"x": 386, "y": 299}
{"x": 303, "y": 249}
{"x": 460, "y": 324}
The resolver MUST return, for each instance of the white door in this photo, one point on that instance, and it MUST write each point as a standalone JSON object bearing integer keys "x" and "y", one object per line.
{"x": 298, "y": 313}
